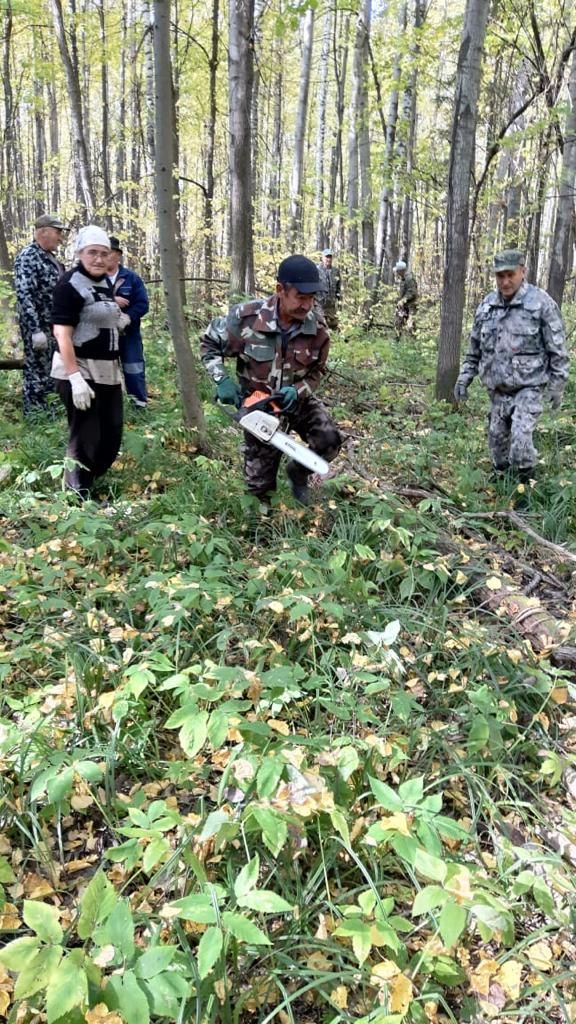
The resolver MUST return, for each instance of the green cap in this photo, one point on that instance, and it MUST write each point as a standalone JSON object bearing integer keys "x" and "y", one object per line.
{"x": 510, "y": 259}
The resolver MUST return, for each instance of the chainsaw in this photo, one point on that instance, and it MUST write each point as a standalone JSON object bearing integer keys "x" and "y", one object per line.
{"x": 259, "y": 416}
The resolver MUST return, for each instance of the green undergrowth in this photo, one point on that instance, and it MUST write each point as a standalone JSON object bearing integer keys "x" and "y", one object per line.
{"x": 294, "y": 769}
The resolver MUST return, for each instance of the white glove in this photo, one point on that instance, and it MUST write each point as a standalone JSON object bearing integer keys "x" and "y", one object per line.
{"x": 39, "y": 341}
{"x": 123, "y": 321}
{"x": 82, "y": 393}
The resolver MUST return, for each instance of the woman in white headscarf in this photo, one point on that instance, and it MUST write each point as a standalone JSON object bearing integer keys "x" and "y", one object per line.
{"x": 86, "y": 367}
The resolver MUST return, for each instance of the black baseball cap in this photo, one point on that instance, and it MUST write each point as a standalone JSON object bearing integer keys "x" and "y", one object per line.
{"x": 301, "y": 273}
{"x": 115, "y": 244}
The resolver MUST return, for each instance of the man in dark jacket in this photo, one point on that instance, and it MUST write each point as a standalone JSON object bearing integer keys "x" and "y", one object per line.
{"x": 281, "y": 347}
{"x": 131, "y": 295}
{"x": 36, "y": 272}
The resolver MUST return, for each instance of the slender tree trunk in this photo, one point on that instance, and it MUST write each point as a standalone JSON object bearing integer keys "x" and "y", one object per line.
{"x": 210, "y": 146}
{"x": 82, "y": 165}
{"x": 340, "y": 51}
{"x": 297, "y": 176}
{"x": 274, "y": 219}
{"x": 410, "y": 95}
{"x": 240, "y": 75}
{"x": 167, "y": 220}
{"x": 321, "y": 234}
{"x": 468, "y": 77}
{"x": 384, "y": 233}
{"x": 564, "y": 223}
{"x": 105, "y": 121}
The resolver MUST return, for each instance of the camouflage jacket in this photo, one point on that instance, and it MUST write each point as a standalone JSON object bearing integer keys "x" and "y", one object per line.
{"x": 36, "y": 273}
{"x": 517, "y": 344}
{"x": 267, "y": 358}
{"x": 330, "y": 285}
{"x": 408, "y": 289}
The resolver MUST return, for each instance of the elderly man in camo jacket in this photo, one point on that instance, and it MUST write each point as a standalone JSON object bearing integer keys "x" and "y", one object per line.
{"x": 281, "y": 347}
{"x": 518, "y": 348}
{"x": 36, "y": 273}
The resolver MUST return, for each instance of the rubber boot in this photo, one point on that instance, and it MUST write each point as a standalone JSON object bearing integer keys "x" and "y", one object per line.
{"x": 298, "y": 478}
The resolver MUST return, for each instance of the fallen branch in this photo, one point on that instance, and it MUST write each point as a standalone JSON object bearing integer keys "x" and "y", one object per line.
{"x": 11, "y": 364}
{"x": 560, "y": 552}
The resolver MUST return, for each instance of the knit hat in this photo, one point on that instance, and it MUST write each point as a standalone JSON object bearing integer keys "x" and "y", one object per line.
{"x": 91, "y": 235}
{"x": 399, "y": 266}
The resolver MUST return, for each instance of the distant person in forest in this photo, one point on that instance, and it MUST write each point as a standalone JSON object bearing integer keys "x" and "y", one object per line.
{"x": 86, "y": 365}
{"x": 330, "y": 289}
{"x": 281, "y": 347}
{"x": 36, "y": 272}
{"x": 518, "y": 348}
{"x": 131, "y": 296}
{"x": 408, "y": 298}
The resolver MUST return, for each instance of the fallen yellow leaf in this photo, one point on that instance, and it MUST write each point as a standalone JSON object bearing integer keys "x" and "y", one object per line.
{"x": 509, "y": 977}
{"x": 540, "y": 956}
{"x": 493, "y": 583}
{"x": 282, "y": 727}
{"x": 400, "y": 994}
{"x": 383, "y": 972}
{"x": 102, "y": 1015}
{"x": 9, "y": 919}
{"x": 339, "y": 997}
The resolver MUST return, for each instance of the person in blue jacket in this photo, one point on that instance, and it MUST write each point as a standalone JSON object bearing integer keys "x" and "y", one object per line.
{"x": 131, "y": 295}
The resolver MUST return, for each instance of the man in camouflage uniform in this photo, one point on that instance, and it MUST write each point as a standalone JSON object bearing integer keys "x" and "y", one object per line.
{"x": 36, "y": 272}
{"x": 281, "y": 347}
{"x": 518, "y": 348}
{"x": 408, "y": 300}
{"x": 330, "y": 289}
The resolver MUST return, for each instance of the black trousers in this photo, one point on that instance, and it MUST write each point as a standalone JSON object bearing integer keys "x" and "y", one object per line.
{"x": 95, "y": 433}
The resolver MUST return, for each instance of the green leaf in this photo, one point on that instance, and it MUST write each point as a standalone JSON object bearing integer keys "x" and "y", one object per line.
{"x": 154, "y": 853}
{"x": 68, "y": 988}
{"x": 6, "y": 873}
{"x": 166, "y": 992}
{"x": 209, "y": 950}
{"x": 89, "y": 771}
{"x": 194, "y": 733}
{"x": 18, "y": 953}
{"x": 411, "y": 792}
{"x": 452, "y": 922}
{"x": 268, "y": 776}
{"x": 43, "y": 919}
{"x": 448, "y": 972}
{"x": 123, "y": 993}
{"x": 60, "y": 787}
{"x": 154, "y": 960}
{"x": 428, "y": 865}
{"x": 274, "y": 828}
{"x": 247, "y": 878}
{"x": 266, "y": 902}
{"x": 217, "y": 728}
{"x": 361, "y": 935}
{"x": 429, "y": 898}
{"x": 340, "y": 824}
{"x": 198, "y": 908}
{"x": 38, "y": 971}
{"x": 98, "y": 901}
{"x": 385, "y": 796}
{"x": 118, "y": 930}
{"x": 244, "y": 930}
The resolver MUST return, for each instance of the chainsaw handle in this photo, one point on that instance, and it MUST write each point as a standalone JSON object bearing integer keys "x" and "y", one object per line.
{"x": 258, "y": 401}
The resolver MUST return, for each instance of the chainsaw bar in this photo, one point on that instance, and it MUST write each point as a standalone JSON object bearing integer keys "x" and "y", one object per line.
{"x": 266, "y": 428}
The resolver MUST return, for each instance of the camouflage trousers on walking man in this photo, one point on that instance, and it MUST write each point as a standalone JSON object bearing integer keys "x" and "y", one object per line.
{"x": 511, "y": 423}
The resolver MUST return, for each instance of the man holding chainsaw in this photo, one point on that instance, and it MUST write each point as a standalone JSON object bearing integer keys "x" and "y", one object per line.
{"x": 281, "y": 346}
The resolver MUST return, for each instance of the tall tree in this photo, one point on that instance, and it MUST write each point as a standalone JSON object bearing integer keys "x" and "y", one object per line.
{"x": 240, "y": 76}
{"x": 168, "y": 229}
{"x": 297, "y": 176}
{"x": 81, "y": 161}
{"x": 468, "y": 75}
{"x": 564, "y": 223}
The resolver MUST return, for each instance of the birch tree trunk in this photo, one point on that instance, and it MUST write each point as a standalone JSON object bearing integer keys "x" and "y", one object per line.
{"x": 210, "y": 145}
{"x": 562, "y": 239}
{"x": 81, "y": 162}
{"x": 240, "y": 75}
{"x": 385, "y": 232}
{"x": 297, "y": 176}
{"x": 170, "y": 258}
{"x": 468, "y": 77}
{"x": 361, "y": 225}
{"x": 321, "y": 233}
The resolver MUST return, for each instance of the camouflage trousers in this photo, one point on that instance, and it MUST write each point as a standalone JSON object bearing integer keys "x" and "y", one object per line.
{"x": 511, "y": 423}
{"x": 330, "y": 311}
{"x": 261, "y": 461}
{"x": 37, "y": 383}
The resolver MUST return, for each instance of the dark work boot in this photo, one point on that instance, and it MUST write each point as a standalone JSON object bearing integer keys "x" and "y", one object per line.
{"x": 298, "y": 478}
{"x": 526, "y": 474}
{"x": 499, "y": 473}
